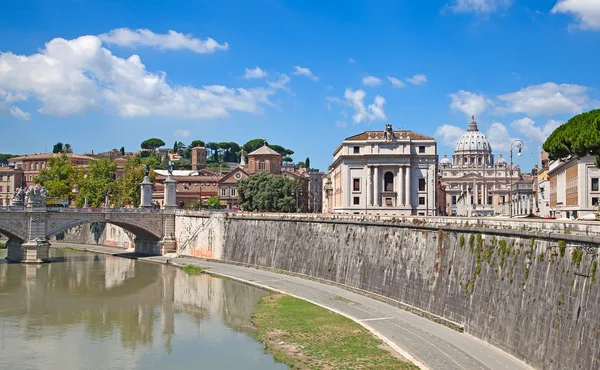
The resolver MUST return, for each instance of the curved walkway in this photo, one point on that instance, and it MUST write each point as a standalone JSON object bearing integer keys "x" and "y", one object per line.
{"x": 429, "y": 345}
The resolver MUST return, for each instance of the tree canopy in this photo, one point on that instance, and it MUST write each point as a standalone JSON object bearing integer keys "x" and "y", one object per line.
{"x": 128, "y": 186}
{"x": 4, "y": 159}
{"x": 266, "y": 192}
{"x": 98, "y": 183}
{"x": 152, "y": 143}
{"x": 58, "y": 148}
{"x": 213, "y": 203}
{"x": 579, "y": 136}
{"x": 60, "y": 177}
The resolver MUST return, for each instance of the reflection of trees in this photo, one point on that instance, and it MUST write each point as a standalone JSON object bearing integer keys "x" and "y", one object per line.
{"x": 109, "y": 294}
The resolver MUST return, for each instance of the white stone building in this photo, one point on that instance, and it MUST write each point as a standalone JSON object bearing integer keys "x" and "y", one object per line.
{"x": 574, "y": 187}
{"x": 475, "y": 184}
{"x": 382, "y": 172}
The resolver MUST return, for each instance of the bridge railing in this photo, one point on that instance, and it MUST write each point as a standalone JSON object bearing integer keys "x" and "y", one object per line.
{"x": 86, "y": 210}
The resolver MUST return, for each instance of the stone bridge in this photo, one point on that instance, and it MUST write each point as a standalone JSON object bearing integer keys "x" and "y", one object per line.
{"x": 28, "y": 229}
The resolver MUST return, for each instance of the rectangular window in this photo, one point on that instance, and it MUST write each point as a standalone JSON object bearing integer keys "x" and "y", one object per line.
{"x": 421, "y": 200}
{"x": 356, "y": 201}
{"x": 8, "y": 188}
{"x": 421, "y": 184}
{"x": 594, "y": 200}
{"x": 223, "y": 192}
{"x": 0, "y": 177}
{"x": 232, "y": 192}
{"x": 595, "y": 184}
{"x": 355, "y": 184}
{"x": 490, "y": 201}
{"x": 0, "y": 188}
{"x": 478, "y": 200}
{"x": 421, "y": 149}
{"x": 356, "y": 150}
{"x": 454, "y": 199}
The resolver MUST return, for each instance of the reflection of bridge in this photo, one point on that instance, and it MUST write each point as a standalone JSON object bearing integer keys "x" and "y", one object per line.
{"x": 28, "y": 229}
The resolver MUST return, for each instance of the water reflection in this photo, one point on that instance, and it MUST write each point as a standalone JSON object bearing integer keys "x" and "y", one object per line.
{"x": 94, "y": 311}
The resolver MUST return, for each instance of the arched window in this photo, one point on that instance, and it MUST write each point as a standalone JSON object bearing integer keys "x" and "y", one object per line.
{"x": 388, "y": 181}
{"x": 261, "y": 165}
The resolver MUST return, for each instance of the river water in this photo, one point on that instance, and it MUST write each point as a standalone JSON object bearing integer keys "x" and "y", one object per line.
{"x": 88, "y": 311}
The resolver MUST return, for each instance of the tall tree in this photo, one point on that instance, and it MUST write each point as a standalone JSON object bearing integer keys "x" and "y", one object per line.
{"x": 214, "y": 151}
{"x": 266, "y": 192}
{"x": 187, "y": 153}
{"x": 128, "y": 186}
{"x": 307, "y": 163}
{"x": 152, "y": 143}
{"x": 122, "y": 151}
{"x": 67, "y": 148}
{"x": 58, "y": 148}
{"x": 579, "y": 136}
{"x": 98, "y": 183}
{"x": 59, "y": 177}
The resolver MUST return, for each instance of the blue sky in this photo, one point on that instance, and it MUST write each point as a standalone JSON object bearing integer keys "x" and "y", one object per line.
{"x": 105, "y": 74}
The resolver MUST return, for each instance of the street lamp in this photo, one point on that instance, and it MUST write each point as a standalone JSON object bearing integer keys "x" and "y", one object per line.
{"x": 516, "y": 144}
{"x": 297, "y": 192}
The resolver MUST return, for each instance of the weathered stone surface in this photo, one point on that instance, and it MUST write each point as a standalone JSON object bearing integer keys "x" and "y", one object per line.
{"x": 536, "y": 298}
{"x": 97, "y": 233}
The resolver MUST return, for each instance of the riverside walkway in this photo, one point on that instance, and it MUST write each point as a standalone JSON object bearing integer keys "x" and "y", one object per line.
{"x": 427, "y": 344}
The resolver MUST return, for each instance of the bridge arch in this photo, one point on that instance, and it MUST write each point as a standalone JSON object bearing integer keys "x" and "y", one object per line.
{"x": 137, "y": 228}
{"x": 11, "y": 232}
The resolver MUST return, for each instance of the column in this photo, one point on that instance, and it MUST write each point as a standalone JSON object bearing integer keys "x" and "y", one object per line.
{"x": 168, "y": 244}
{"x": 399, "y": 175}
{"x": 368, "y": 184}
{"x": 348, "y": 189}
{"x": 146, "y": 193}
{"x": 376, "y": 187}
{"x": 407, "y": 187}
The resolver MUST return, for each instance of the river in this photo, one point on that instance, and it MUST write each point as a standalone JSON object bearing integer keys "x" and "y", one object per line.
{"x": 88, "y": 311}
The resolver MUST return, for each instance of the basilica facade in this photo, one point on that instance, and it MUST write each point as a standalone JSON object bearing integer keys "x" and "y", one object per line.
{"x": 475, "y": 183}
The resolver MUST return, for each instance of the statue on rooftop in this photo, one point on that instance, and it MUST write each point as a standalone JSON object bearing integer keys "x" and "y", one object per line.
{"x": 146, "y": 170}
{"x": 170, "y": 168}
{"x": 388, "y": 134}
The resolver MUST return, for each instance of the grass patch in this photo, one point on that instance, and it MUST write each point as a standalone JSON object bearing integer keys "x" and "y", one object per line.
{"x": 305, "y": 336}
{"x": 70, "y": 249}
{"x": 192, "y": 270}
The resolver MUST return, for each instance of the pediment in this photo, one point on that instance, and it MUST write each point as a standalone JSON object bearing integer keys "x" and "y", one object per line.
{"x": 234, "y": 176}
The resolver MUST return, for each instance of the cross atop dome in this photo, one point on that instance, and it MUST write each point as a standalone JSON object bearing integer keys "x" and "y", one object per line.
{"x": 473, "y": 124}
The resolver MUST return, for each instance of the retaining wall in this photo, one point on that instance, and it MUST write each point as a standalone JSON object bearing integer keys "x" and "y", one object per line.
{"x": 531, "y": 292}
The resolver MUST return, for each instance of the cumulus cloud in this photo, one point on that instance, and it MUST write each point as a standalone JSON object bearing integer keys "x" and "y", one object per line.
{"x": 281, "y": 83}
{"x": 396, "y": 82}
{"x": 417, "y": 79}
{"x": 183, "y": 133}
{"x": 75, "y": 76}
{"x": 7, "y": 100}
{"x": 355, "y": 99}
{"x": 305, "y": 72}
{"x": 166, "y": 41}
{"x": 586, "y": 12}
{"x": 546, "y": 99}
{"x": 469, "y": 103}
{"x": 449, "y": 133}
{"x": 18, "y": 113}
{"x": 499, "y": 137}
{"x": 538, "y": 134}
{"x": 371, "y": 81}
{"x": 478, "y": 6}
{"x": 255, "y": 73}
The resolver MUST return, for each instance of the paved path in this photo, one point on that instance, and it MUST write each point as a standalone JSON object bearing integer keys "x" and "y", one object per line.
{"x": 429, "y": 345}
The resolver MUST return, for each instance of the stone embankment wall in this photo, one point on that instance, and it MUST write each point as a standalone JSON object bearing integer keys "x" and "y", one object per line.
{"x": 97, "y": 233}
{"x": 531, "y": 292}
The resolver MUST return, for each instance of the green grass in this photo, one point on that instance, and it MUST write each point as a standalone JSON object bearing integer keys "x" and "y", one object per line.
{"x": 192, "y": 270}
{"x": 2, "y": 246}
{"x": 305, "y": 336}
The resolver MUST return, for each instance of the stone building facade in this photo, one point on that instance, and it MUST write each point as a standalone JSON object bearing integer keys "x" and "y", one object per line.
{"x": 475, "y": 183}
{"x": 32, "y": 164}
{"x": 383, "y": 172}
{"x": 228, "y": 194}
{"x": 574, "y": 187}
{"x": 11, "y": 178}
{"x": 264, "y": 159}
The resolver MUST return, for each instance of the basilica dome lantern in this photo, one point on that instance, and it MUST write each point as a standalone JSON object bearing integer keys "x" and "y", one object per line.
{"x": 473, "y": 149}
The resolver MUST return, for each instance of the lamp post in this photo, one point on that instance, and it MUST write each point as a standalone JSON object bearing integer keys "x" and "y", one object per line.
{"x": 516, "y": 144}
{"x": 297, "y": 192}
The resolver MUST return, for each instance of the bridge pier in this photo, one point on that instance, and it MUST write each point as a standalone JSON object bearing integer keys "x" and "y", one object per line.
{"x": 168, "y": 243}
{"x": 29, "y": 252}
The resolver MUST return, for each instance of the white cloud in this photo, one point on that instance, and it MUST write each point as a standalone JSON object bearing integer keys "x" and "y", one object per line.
{"x": 587, "y": 12}
{"x": 355, "y": 99}
{"x": 417, "y": 79}
{"x": 305, "y": 72}
{"x": 350, "y": 60}
{"x": 255, "y": 73}
{"x": 167, "y": 41}
{"x": 281, "y": 83}
{"x": 75, "y": 76}
{"x": 183, "y": 133}
{"x": 396, "y": 82}
{"x": 371, "y": 81}
{"x": 498, "y": 137}
{"x": 547, "y": 99}
{"x": 469, "y": 103}
{"x": 341, "y": 124}
{"x": 537, "y": 134}
{"x": 18, "y": 113}
{"x": 478, "y": 6}
{"x": 449, "y": 134}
